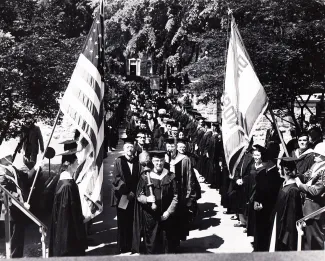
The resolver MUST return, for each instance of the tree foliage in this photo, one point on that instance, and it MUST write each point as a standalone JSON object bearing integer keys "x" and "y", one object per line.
{"x": 284, "y": 38}
{"x": 40, "y": 42}
{"x": 38, "y": 55}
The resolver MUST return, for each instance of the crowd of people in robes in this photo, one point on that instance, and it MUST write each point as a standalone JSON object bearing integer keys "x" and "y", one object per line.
{"x": 156, "y": 181}
{"x": 267, "y": 195}
{"x": 271, "y": 191}
{"x": 169, "y": 149}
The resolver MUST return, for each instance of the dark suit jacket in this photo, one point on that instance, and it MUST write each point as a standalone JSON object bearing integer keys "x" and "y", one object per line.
{"x": 124, "y": 181}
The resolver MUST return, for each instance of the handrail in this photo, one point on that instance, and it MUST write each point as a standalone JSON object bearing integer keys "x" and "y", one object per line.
{"x": 22, "y": 208}
{"x": 311, "y": 215}
{"x": 301, "y": 223}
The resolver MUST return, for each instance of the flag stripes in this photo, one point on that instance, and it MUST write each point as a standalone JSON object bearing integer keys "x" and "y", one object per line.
{"x": 90, "y": 107}
{"x": 90, "y": 74}
{"x": 91, "y": 93}
{"x": 82, "y": 124}
{"x": 82, "y": 103}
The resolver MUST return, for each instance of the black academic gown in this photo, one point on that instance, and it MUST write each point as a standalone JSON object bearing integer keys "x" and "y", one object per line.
{"x": 159, "y": 236}
{"x": 213, "y": 168}
{"x": 188, "y": 192}
{"x": 123, "y": 183}
{"x": 202, "y": 165}
{"x": 268, "y": 182}
{"x": 304, "y": 161}
{"x": 242, "y": 191}
{"x": 67, "y": 235}
{"x": 288, "y": 210}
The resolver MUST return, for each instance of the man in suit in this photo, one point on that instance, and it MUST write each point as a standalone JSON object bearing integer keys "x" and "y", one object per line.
{"x": 140, "y": 142}
{"x": 151, "y": 122}
{"x": 126, "y": 176}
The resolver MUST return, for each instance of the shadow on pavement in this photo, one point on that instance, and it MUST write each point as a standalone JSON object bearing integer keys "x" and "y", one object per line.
{"x": 205, "y": 218}
{"x": 201, "y": 245}
{"x": 207, "y": 223}
{"x": 207, "y": 210}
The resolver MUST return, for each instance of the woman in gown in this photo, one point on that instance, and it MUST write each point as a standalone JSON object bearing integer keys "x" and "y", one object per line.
{"x": 267, "y": 184}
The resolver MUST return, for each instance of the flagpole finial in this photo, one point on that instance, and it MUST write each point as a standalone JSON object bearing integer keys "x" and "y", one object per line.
{"x": 101, "y": 7}
{"x": 229, "y": 11}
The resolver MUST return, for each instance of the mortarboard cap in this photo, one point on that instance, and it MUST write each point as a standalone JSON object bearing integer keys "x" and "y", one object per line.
{"x": 259, "y": 148}
{"x": 128, "y": 140}
{"x": 157, "y": 154}
{"x": 170, "y": 122}
{"x": 67, "y": 152}
{"x": 288, "y": 162}
{"x": 182, "y": 140}
{"x": 170, "y": 140}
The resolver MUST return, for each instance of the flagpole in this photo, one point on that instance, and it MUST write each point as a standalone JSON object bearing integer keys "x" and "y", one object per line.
{"x": 279, "y": 132}
{"x": 101, "y": 9}
{"x": 43, "y": 156}
{"x": 227, "y": 43}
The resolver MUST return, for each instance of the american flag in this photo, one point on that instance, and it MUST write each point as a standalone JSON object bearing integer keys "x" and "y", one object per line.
{"x": 82, "y": 103}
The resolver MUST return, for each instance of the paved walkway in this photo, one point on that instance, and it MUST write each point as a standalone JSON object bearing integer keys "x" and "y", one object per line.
{"x": 214, "y": 231}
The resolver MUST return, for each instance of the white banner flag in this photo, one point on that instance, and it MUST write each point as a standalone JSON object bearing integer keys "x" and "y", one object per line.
{"x": 244, "y": 101}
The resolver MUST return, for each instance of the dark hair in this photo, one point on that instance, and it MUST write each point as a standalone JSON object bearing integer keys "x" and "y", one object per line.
{"x": 262, "y": 150}
{"x": 316, "y": 135}
{"x": 302, "y": 133}
{"x": 68, "y": 161}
